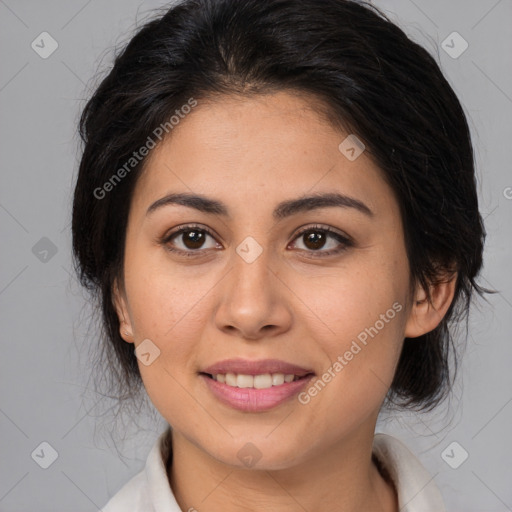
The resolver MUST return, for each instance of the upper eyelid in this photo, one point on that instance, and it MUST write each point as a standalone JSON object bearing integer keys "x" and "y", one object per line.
{"x": 329, "y": 229}
{"x": 188, "y": 227}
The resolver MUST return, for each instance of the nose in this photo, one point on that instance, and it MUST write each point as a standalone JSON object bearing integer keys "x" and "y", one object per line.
{"x": 253, "y": 302}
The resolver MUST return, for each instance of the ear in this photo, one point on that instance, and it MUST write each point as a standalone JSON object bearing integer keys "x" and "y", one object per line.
{"x": 120, "y": 305}
{"x": 426, "y": 315}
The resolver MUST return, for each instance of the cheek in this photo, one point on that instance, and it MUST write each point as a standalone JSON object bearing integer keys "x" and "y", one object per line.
{"x": 344, "y": 303}
{"x": 163, "y": 296}
{"x": 172, "y": 313}
{"x": 168, "y": 308}
{"x": 358, "y": 325}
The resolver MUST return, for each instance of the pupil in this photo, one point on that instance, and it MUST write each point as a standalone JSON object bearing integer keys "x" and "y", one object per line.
{"x": 193, "y": 239}
{"x": 314, "y": 240}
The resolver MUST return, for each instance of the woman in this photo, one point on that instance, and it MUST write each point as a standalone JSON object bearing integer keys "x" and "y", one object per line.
{"x": 276, "y": 206}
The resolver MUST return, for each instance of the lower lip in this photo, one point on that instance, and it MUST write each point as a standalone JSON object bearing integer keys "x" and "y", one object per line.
{"x": 255, "y": 400}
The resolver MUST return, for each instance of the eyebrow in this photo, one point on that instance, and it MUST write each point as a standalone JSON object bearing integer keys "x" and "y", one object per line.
{"x": 285, "y": 209}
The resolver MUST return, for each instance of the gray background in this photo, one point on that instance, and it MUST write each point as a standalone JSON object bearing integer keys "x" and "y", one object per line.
{"x": 46, "y": 339}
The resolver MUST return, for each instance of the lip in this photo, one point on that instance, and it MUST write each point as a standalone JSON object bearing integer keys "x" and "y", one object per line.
{"x": 254, "y": 400}
{"x": 247, "y": 367}
{"x": 251, "y": 399}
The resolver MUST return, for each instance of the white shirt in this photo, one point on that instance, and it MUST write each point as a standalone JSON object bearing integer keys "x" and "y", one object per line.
{"x": 149, "y": 490}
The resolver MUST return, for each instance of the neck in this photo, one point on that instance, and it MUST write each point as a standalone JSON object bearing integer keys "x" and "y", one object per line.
{"x": 343, "y": 478}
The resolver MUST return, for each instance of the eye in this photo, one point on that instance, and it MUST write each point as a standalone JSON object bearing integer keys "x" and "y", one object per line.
{"x": 321, "y": 240}
{"x": 190, "y": 239}
{"x": 318, "y": 241}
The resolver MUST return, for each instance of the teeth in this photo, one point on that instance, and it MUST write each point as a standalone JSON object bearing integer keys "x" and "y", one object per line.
{"x": 231, "y": 379}
{"x": 263, "y": 381}
{"x": 245, "y": 381}
{"x": 277, "y": 379}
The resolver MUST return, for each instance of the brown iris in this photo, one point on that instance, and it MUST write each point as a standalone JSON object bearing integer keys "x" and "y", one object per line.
{"x": 193, "y": 239}
{"x": 314, "y": 239}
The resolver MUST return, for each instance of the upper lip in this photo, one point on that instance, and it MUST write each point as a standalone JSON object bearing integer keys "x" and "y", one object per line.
{"x": 248, "y": 367}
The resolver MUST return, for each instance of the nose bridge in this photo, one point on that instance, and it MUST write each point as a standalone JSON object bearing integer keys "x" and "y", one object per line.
{"x": 250, "y": 272}
{"x": 251, "y": 298}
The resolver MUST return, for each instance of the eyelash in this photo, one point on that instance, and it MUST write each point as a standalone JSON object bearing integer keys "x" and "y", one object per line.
{"x": 344, "y": 240}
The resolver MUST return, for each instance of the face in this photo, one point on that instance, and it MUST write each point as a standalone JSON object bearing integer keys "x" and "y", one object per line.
{"x": 262, "y": 283}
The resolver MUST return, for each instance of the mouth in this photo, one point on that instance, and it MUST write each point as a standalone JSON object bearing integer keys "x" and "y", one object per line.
{"x": 255, "y": 386}
{"x": 261, "y": 381}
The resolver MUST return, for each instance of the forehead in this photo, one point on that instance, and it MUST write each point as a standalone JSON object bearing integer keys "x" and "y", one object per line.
{"x": 260, "y": 148}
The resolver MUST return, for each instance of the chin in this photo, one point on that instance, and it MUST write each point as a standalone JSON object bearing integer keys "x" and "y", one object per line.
{"x": 258, "y": 453}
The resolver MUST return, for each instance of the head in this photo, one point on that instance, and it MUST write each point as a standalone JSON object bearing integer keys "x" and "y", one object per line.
{"x": 322, "y": 169}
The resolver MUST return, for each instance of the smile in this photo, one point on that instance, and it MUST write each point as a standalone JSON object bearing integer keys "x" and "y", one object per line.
{"x": 254, "y": 386}
{"x": 262, "y": 381}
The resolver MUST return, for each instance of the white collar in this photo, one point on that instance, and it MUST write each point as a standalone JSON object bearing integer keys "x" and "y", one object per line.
{"x": 416, "y": 489}
{"x": 149, "y": 490}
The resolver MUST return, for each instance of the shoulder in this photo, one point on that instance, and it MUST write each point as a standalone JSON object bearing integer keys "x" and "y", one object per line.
{"x": 132, "y": 496}
{"x": 416, "y": 488}
{"x": 148, "y": 490}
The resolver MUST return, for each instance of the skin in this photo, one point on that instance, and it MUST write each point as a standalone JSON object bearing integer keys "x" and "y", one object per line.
{"x": 251, "y": 154}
